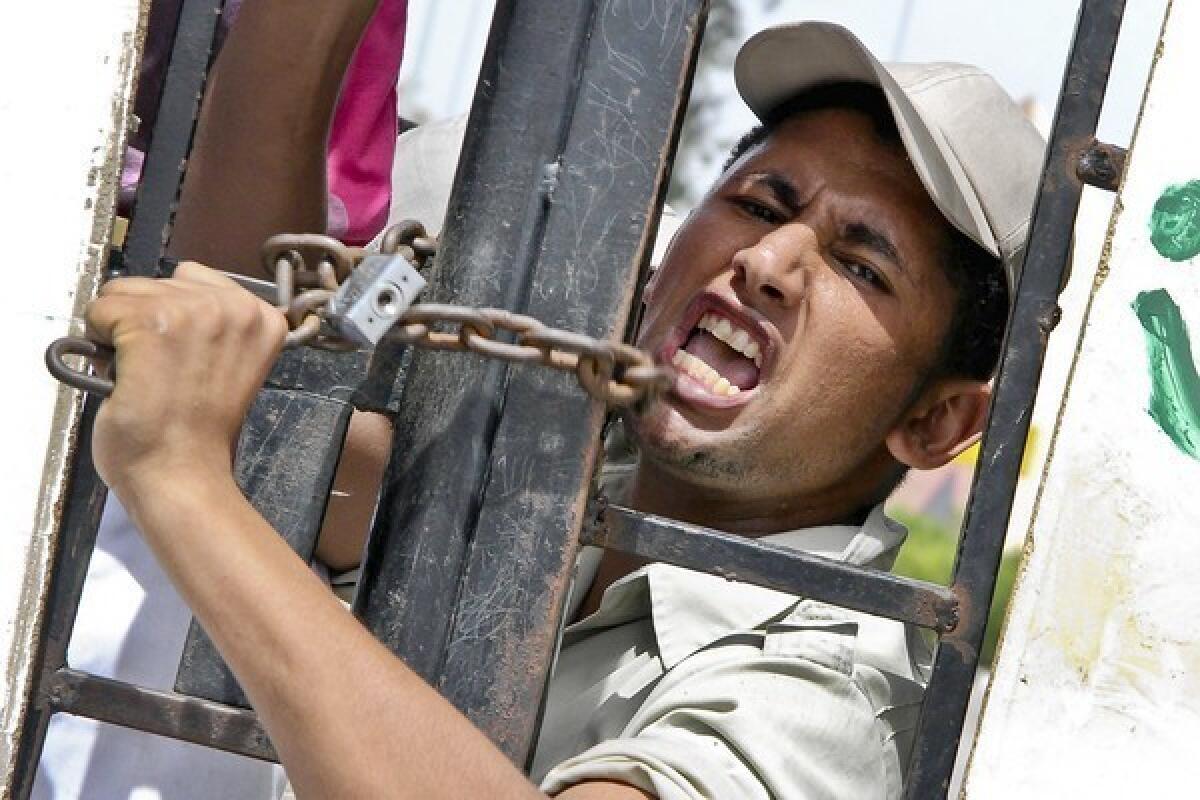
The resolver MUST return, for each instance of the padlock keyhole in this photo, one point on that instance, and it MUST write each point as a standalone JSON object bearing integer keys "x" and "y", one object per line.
{"x": 385, "y": 303}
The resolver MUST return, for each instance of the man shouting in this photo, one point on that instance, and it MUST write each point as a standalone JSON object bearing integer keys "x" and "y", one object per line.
{"x": 834, "y": 308}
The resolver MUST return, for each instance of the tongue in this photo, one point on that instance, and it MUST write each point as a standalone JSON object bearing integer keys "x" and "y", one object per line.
{"x": 732, "y": 365}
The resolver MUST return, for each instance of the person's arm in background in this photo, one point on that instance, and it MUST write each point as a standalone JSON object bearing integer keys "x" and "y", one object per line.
{"x": 258, "y": 162}
{"x": 258, "y": 168}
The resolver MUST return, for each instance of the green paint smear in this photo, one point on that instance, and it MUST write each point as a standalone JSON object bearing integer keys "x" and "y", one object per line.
{"x": 1174, "y": 384}
{"x": 1175, "y": 222}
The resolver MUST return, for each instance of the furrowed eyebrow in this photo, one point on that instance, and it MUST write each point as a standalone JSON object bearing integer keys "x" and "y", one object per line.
{"x": 860, "y": 234}
{"x": 863, "y": 235}
{"x": 783, "y": 189}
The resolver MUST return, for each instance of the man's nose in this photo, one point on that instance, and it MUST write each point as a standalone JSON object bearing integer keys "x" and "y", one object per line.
{"x": 775, "y": 269}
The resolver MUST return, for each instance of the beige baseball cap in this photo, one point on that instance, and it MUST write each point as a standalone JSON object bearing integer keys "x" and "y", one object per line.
{"x": 973, "y": 148}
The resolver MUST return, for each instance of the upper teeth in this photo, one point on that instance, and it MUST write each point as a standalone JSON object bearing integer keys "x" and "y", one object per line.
{"x": 736, "y": 338}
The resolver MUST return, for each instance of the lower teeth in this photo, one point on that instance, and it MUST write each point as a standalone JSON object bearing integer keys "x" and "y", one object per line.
{"x": 704, "y": 374}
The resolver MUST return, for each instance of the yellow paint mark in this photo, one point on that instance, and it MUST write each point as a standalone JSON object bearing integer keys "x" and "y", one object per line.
{"x": 970, "y": 456}
{"x": 1088, "y": 588}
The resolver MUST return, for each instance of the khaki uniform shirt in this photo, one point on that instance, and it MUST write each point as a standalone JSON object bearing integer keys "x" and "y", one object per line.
{"x": 688, "y": 685}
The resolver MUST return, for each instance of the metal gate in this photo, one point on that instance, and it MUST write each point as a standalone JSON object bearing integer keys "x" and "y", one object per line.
{"x": 491, "y": 466}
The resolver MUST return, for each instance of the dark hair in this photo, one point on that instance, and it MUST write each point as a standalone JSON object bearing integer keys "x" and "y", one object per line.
{"x": 972, "y": 345}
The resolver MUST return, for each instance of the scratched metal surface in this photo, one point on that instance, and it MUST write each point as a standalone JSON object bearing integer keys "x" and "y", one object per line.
{"x": 451, "y": 404}
{"x": 598, "y": 232}
{"x": 287, "y": 455}
{"x": 551, "y": 215}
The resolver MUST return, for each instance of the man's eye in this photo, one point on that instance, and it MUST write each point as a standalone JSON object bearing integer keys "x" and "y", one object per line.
{"x": 864, "y": 273}
{"x": 760, "y": 210}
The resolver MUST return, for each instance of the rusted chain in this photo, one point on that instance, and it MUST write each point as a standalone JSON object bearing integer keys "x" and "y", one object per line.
{"x": 308, "y": 269}
{"x": 616, "y": 373}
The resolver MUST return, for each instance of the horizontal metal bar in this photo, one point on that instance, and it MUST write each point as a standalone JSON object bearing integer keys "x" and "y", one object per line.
{"x": 177, "y": 716}
{"x": 782, "y": 568}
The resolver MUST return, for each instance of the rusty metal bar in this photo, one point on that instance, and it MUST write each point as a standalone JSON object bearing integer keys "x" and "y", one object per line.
{"x": 451, "y": 406}
{"x": 611, "y": 164}
{"x": 287, "y": 455}
{"x": 164, "y": 713}
{"x": 1034, "y": 312}
{"x": 781, "y": 568}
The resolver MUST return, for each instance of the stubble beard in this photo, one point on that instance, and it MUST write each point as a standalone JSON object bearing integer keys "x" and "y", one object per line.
{"x": 692, "y": 463}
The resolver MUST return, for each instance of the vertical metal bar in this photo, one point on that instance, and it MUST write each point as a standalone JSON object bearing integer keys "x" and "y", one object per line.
{"x": 1035, "y": 311}
{"x": 166, "y": 160}
{"x": 451, "y": 404}
{"x": 287, "y": 455}
{"x": 80, "y": 519}
{"x": 599, "y": 231}
{"x": 162, "y": 176}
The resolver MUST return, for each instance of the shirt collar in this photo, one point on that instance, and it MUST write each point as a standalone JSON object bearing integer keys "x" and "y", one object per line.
{"x": 689, "y": 610}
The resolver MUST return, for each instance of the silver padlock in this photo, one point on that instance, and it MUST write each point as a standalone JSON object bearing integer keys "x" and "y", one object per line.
{"x": 369, "y": 303}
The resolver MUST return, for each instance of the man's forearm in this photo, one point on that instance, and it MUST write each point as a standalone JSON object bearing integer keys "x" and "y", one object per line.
{"x": 347, "y": 718}
{"x": 258, "y": 163}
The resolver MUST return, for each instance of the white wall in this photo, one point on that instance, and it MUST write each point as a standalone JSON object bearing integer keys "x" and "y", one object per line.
{"x": 64, "y": 104}
{"x": 1096, "y": 691}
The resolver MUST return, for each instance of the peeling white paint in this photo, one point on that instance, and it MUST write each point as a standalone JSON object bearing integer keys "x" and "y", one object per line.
{"x": 64, "y": 105}
{"x": 1096, "y": 691}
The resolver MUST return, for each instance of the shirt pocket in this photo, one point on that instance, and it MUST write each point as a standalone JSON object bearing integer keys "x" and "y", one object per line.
{"x": 815, "y": 632}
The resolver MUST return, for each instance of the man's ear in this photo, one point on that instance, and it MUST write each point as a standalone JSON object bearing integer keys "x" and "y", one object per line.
{"x": 943, "y": 423}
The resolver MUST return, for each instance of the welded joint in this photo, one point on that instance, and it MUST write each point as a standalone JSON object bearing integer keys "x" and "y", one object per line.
{"x": 961, "y": 608}
{"x": 946, "y": 614}
{"x": 58, "y": 692}
{"x": 595, "y": 531}
{"x": 1101, "y": 165}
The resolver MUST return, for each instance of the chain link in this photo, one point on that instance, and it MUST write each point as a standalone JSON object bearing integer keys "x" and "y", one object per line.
{"x": 616, "y": 373}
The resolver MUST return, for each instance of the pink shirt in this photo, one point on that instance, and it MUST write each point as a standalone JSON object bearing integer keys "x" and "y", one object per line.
{"x": 362, "y": 138}
{"x": 362, "y": 141}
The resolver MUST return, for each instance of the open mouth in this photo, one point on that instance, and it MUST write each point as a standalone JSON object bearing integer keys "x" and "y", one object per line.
{"x": 720, "y": 356}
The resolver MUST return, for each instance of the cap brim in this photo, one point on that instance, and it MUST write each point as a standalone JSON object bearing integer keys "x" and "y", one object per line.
{"x": 780, "y": 63}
